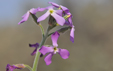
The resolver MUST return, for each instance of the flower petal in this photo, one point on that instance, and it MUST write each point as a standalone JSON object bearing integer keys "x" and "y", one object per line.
{"x": 25, "y": 17}
{"x": 54, "y": 38}
{"x": 60, "y": 20}
{"x": 72, "y": 34}
{"x": 41, "y": 9}
{"x": 7, "y": 67}
{"x": 43, "y": 17}
{"x": 45, "y": 49}
{"x": 41, "y": 55}
{"x": 34, "y": 45}
{"x": 64, "y": 53}
{"x": 70, "y": 20}
{"x": 48, "y": 59}
{"x": 11, "y": 68}
{"x": 65, "y": 9}
{"x": 33, "y": 10}
{"x": 34, "y": 52}
{"x": 54, "y": 4}
{"x": 50, "y": 7}
{"x": 59, "y": 12}
{"x": 62, "y": 7}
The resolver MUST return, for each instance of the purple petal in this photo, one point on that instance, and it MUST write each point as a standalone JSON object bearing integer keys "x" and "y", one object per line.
{"x": 54, "y": 4}
{"x": 57, "y": 6}
{"x": 72, "y": 34}
{"x": 43, "y": 17}
{"x": 67, "y": 23}
{"x": 45, "y": 49}
{"x": 65, "y": 9}
{"x": 41, "y": 9}
{"x": 41, "y": 55}
{"x": 34, "y": 45}
{"x": 64, "y": 53}
{"x": 50, "y": 7}
{"x": 59, "y": 12}
{"x": 48, "y": 59}
{"x": 60, "y": 20}
{"x": 25, "y": 17}
{"x": 34, "y": 52}
{"x": 7, "y": 67}
{"x": 11, "y": 68}
{"x": 33, "y": 10}
{"x": 70, "y": 20}
{"x": 54, "y": 38}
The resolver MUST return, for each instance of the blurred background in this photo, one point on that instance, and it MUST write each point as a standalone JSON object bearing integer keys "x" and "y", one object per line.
{"x": 93, "y": 46}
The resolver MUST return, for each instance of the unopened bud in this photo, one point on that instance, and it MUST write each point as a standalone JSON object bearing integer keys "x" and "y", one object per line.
{"x": 20, "y": 65}
{"x": 52, "y": 22}
{"x": 34, "y": 18}
{"x": 62, "y": 30}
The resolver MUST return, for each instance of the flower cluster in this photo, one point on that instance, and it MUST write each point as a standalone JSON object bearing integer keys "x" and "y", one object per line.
{"x": 58, "y": 16}
{"x": 62, "y": 17}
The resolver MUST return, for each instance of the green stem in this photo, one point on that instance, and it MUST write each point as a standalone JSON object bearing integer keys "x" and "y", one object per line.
{"x": 42, "y": 29}
{"x": 27, "y": 66}
{"x": 50, "y": 34}
{"x": 38, "y": 23}
{"x": 38, "y": 53}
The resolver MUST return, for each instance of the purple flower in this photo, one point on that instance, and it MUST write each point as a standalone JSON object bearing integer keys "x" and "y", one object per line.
{"x": 70, "y": 23}
{"x": 11, "y": 68}
{"x": 33, "y": 11}
{"x": 65, "y": 9}
{"x": 34, "y": 46}
{"x": 69, "y": 19}
{"x": 26, "y": 16}
{"x": 53, "y": 50}
{"x": 71, "y": 31}
{"x": 54, "y": 13}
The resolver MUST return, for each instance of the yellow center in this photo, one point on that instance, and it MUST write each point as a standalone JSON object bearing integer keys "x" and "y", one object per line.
{"x": 57, "y": 24}
{"x": 51, "y": 11}
{"x": 55, "y": 48}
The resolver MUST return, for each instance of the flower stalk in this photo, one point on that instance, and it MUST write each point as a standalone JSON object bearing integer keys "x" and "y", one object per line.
{"x": 36, "y": 60}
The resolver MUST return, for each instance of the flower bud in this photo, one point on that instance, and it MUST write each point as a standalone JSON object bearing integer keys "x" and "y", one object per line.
{"x": 34, "y": 18}
{"x": 20, "y": 65}
{"x": 62, "y": 30}
{"x": 52, "y": 22}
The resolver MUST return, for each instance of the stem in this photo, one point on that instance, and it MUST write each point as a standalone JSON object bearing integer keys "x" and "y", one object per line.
{"x": 38, "y": 53}
{"x": 27, "y": 66}
{"x": 38, "y": 23}
{"x": 50, "y": 34}
{"x": 41, "y": 29}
